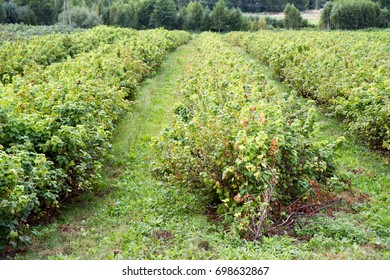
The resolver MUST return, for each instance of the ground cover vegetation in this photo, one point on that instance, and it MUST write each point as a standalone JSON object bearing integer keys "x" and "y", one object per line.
{"x": 347, "y": 72}
{"x": 57, "y": 121}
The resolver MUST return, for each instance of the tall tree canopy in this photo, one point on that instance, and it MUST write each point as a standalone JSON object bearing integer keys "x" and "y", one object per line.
{"x": 164, "y": 14}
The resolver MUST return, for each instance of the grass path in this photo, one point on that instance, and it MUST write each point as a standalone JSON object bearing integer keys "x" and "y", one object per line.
{"x": 135, "y": 216}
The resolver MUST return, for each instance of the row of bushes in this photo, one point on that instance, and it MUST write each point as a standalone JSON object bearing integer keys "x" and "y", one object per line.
{"x": 56, "y": 124}
{"x": 347, "y": 71}
{"x": 249, "y": 148}
{"x": 13, "y": 32}
{"x": 24, "y": 55}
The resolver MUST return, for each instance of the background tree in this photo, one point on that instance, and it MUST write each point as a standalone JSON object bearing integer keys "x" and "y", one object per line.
{"x": 384, "y": 19}
{"x": 259, "y": 24}
{"x": 235, "y": 20}
{"x": 145, "y": 10}
{"x": 325, "y": 15}
{"x": 2, "y": 13}
{"x": 208, "y": 3}
{"x": 164, "y": 14}
{"x": 83, "y": 17}
{"x": 195, "y": 15}
{"x": 276, "y": 23}
{"x": 352, "y": 15}
{"x": 383, "y": 3}
{"x": 125, "y": 15}
{"x": 102, "y": 7}
{"x": 206, "y": 24}
{"x": 219, "y": 16}
{"x": 292, "y": 17}
{"x": 46, "y": 11}
{"x": 26, "y": 15}
{"x": 182, "y": 19}
{"x": 11, "y": 12}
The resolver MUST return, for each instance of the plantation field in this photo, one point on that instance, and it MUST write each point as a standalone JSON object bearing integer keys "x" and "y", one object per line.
{"x": 57, "y": 119}
{"x": 124, "y": 144}
{"x": 12, "y": 32}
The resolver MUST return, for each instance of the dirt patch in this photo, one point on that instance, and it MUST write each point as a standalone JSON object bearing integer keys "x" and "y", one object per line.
{"x": 163, "y": 234}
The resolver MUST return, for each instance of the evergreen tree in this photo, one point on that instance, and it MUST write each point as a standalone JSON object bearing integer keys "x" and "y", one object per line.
{"x": 182, "y": 21}
{"x": 164, "y": 14}
{"x": 103, "y": 10}
{"x": 145, "y": 10}
{"x": 112, "y": 14}
{"x": 219, "y": 16}
{"x": 195, "y": 15}
{"x": 206, "y": 24}
{"x": 126, "y": 16}
{"x": 292, "y": 17}
{"x": 235, "y": 19}
{"x": 20, "y": 3}
{"x": 384, "y": 3}
{"x": 261, "y": 24}
{"x": 384, "y": 19}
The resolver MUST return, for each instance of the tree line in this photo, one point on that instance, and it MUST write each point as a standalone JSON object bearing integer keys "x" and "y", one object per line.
{"x": 139, "y": 14}
{"x": 201, "y": 15}
{"x": 355, "y": 14}
{"x": 93, "y": 12}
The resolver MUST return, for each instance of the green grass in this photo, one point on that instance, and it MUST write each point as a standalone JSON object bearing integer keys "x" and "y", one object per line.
{"x": 132, "y": 215}
{"x": 369, "y": 173}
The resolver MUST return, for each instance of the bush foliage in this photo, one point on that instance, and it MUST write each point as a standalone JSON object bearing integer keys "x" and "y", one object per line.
{"x": 248, "y": 148}
{"x": 56, "y": 122}
{"x": 347, "y": 71}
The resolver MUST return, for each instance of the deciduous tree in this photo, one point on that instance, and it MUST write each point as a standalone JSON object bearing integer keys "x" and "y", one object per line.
{"x": 195, "y": 15}
{"x": 292, "y": 17}
{"x": 11, "y": 12}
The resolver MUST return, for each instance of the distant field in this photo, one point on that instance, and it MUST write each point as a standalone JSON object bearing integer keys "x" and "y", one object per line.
{"x": 313, "y": 16}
